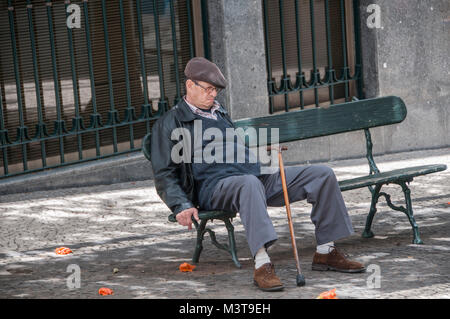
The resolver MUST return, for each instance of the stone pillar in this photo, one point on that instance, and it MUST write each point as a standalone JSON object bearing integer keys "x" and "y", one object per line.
{"x": 238, "y": 48}
{"x": 408, "y": 57}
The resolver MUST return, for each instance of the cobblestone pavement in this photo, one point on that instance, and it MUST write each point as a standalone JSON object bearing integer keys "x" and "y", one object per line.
{"x": 121, "y": 239}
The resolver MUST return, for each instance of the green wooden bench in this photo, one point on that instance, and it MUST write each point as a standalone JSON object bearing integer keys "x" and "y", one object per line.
{"x": 339, "y": 118}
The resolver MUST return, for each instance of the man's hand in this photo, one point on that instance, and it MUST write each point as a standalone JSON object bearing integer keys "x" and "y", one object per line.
{"x": 184, "y": 217}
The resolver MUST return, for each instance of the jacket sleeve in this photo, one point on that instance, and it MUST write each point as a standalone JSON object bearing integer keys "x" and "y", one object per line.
{"x": 165, "y": 171}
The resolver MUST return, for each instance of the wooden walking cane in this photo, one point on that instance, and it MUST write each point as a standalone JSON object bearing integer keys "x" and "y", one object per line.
{"x": 300, "y": 277}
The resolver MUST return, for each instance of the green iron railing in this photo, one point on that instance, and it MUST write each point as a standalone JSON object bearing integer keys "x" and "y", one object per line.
{"x": 69, "y": 95}
{"x": 305, "y": 19}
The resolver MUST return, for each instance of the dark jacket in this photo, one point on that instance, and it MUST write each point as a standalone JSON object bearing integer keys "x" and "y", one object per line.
{"x": 174, "y": 182}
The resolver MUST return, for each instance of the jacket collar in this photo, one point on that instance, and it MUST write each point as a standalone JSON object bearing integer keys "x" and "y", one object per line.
{"x": 185, "y": 114}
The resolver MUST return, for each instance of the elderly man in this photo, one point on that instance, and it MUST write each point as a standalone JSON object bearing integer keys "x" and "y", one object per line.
{"x": 232, "y": 186}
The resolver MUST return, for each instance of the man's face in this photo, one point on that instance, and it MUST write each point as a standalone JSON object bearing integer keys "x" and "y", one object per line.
{"x": 201, "y": 94}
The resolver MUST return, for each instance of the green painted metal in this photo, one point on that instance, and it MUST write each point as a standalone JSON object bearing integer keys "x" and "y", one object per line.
{"x": 404, "y": 174}
{"x": 60, "y": 127}
{"x": 175, "y": 54}
{"x": 300, "y": 74}
{"x": 206, "y": 46}
{"x": 315, "y": 74}
{"x": 190, "y": 28}
{"x": 146, "y": 108}
{"x": 113, "y": 115}
{"x": 3, "y": 136}
{"x": 70, "y": 131}
{"x": 338, "y": 118}
{"x": 408, "y": 211}
{"x": 205, "y": 216}
{"x": 130, "y": 114}
{"x": 358, "y": 57}
{"x": 41, "y": 128}
{"x": 330, "y": 71}
{"x": 77, "y": 121}
{"x": 22, "y": 130}
{"x": 345, "y": 70}
{"x": 270, "y": 81}
{"x": 162, "y": 105}
{"x": 286, "y": 79}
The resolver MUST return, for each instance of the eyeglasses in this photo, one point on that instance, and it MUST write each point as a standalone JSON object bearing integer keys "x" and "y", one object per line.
{"x": 209, "y": 89}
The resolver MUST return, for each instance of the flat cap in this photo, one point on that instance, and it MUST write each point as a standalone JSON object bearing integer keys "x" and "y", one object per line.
{"x": 201, "y": 69}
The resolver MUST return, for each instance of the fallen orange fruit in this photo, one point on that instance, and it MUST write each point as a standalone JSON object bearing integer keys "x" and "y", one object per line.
{"x": 185, "y": 267}
{"x": 105, "y": 291}
{"x": 63, "y": 251}
{"x": 328, "y": 295}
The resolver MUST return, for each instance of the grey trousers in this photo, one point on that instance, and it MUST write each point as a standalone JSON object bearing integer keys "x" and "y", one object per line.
{"x": 250, "y": 195}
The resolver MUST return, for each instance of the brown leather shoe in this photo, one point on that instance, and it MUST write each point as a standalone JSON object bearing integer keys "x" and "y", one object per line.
{"x": 336, "y": 261}
{"x": 265, "y": 278}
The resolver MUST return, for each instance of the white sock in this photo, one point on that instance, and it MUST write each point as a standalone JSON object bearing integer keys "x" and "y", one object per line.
{"x": 261, "y": 258}
{"x": 325, "y": 248}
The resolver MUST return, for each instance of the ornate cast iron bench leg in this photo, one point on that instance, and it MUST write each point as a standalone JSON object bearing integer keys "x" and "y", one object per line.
{"x": 409, "y": 212}
{"x": 373, "y": 209}
{"x": 232, "y": 242}
{"x": 376, "y": 194}
{"x": 200, "y": 235}
{"x": 201, "y": 230}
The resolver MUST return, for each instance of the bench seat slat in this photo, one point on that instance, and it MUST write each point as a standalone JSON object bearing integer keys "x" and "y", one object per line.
{"x": 391, "y": 176}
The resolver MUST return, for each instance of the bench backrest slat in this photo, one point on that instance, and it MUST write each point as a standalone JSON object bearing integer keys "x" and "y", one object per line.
{"x": 338, "y": 118}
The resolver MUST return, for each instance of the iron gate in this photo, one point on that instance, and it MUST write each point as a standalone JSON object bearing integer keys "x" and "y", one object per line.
{"x": 313, "y": 52}
{"x": 71, "y": 93}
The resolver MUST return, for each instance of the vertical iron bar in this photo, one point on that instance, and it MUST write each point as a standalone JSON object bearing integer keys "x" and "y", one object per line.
{"x": 205, "y": 29}
{"x": 270, "y": 83}
{"x": 300, "y": 76}
{"x": 125, "y": 55}
{"x": 4, "y": 140}
{"x": 191, "y": 33}
{"x": 330, "y": 70}
{"x": 113, "y": 116}
{"x": 162, "y": 105}
{"x": 285, "y": 79}
{"x": 175, "y": 53}
{"x": 22, "y": 131}
{"x": 77, "y": 121}
{"x": 314, "y": 73}
{"x": 146, "y": 109}
{"x": 95, "y": 117}
{"x": 344, "y": 50}
{"x": 41, "y": 131}
{"x": 59, "y": 123}
{"x": 358, "y": 63}
{"x": 130, "y": 114}
{"x": 3, "y": 136}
